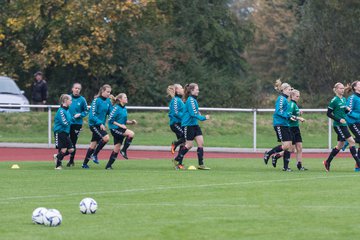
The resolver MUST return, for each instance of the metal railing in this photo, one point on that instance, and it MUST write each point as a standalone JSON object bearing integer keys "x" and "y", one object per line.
{"x": 144, "y": 108}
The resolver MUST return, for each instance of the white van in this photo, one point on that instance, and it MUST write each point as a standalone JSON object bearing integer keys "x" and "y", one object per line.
{"x": 12, "y": 96}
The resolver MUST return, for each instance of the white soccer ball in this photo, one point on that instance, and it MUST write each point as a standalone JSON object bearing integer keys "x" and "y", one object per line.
{"x": 88, "y": 206}
{"x": 38, "y": 215}
{"x": 52, "y": 218}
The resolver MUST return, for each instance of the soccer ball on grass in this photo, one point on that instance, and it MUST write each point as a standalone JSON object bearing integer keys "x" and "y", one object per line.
{"x": 52, "y": 218}
{"x": 88, "y": 206}
{"x": 38, "y": 215}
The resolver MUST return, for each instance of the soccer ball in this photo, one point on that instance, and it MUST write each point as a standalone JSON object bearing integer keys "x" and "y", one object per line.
{"x": 88, "y": 206}
{"x": 38, "y": 214}
{"x": 52, "y": 218}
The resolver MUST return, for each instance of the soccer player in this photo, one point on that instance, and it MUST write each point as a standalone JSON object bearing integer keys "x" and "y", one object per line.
{"x": 117, "y": 125}
{"x": 294, "y": 130}
{"x": 192, "y": 129}
{"x": 353, "y": 117}
{"x": 78, "y": 110}
{"x": 61, "y": 129}
{"x": 337, "y": 110}
{"x": 281, "y": 118}
{"x": 100, "y": 107}
{"x": 176, "y": 108}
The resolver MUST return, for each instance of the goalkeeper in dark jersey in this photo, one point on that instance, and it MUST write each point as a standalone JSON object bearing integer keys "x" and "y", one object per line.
{"x": 337, "y": 111}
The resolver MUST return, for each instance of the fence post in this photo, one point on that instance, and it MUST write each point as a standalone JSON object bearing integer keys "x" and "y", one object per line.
{"x": 49, "y": 126}
{"x": 254, "y": 130}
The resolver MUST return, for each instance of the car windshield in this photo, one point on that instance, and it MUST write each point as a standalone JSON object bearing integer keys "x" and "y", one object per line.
{"x": 9, "y": 86}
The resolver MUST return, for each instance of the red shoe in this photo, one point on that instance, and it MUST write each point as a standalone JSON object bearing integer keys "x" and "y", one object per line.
{"x": 326, "y": 165}
{"x": 180, "y": 167}
{"x": 172, "y": 148}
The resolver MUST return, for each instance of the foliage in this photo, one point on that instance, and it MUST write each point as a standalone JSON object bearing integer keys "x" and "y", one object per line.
{"x": 325, "y": 47}
{"x": 138, "y": 47}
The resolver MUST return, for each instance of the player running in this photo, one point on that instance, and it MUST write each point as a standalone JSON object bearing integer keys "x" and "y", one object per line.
{"x": 117, "y": 125}
{"x": 337, "y": 110}
{"x": 353, "y": 117}
{"x": 176, "y": 108}
{"x": 294, "y": 130}
{"x": 61, "y": 129}
{"x": 78, "y": 110}
{"x": 192, "y": 129}
{"x": 100, "y": 107}
{"x": 281, "y": 118}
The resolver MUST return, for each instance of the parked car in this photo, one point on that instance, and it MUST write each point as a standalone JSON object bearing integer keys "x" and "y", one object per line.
{"x": 12, "y": 96}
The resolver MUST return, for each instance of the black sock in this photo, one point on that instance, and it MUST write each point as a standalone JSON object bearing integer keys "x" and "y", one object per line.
{"x": 100, "y": 146}
{"x": 60, "y": 156}
{"x": 127, "y": 143}
{"x": 333, "y": 153}
{"x": 72, "y": 156}
{"x": 200, "y": 154}
{"x": 354, "y": 154}
{"x": 88, "y": 155}
{"x": 112, "y": 159}
{"x": 179, "y": 141}
{"x": 181, "y": 154}
{"x": 299, "y": 165}
{"x": 286, "y": 157}
{"x": 358, "y": 153}
{"x": 275, "y": 150}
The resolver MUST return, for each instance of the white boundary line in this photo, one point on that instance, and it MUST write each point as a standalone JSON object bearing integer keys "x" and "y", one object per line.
{"x": 164, "y": 188}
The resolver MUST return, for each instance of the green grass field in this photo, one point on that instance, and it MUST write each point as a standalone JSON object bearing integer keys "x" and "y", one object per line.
{"x": 146, "y": 199}
{"x": 223, "y": 130}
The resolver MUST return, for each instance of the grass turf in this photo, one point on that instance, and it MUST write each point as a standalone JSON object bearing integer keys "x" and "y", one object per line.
{"x": 146, "y": 199}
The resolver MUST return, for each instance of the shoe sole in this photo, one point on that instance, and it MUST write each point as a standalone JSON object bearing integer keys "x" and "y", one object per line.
{"x": 325, "y": 165}
{"x": 123, "y": 155}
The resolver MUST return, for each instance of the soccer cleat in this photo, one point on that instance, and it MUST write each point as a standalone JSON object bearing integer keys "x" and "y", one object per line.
{"x": 274, "y": 159}
{"x": 266, "y": 157}
{"x": 287, "y": 169}
{"x": 55, "y": 158}
{"x": 303, "y": 169}
{"x": 95, "y": 159}
{"x": 203, "y": 167}
{"x": 58, "y": 168}
{"x": 326, "y": 165}
{"x": 109, "y": 168}
{"x": 70, "y": 164}
{"x": 179, "y": 167}
{"x": 123, "y": 153}
{"x": 85, "y": 166}
{"x": 173, "y": 147}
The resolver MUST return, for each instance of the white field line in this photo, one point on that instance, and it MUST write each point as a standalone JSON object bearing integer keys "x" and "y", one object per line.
{"x": 164, "y": 188}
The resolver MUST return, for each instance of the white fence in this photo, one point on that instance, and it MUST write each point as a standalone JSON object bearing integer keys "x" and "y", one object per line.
{"x": 253, "y": 111}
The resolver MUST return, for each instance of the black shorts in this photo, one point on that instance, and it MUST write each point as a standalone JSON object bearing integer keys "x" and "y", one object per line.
{"x": 283, "y": 133}
{"x": 75, "y": 130}
{"x": 97, "y": 133}
{"x": 62, "y": 140}
{"x": 342, "y": 133}
{"x": 118, "y": 135}
{"x": 178, "y": 130}
{"x": 295, "y": 135}
{"x": 355, "y": 129}
{"x": 190, "y": 132}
